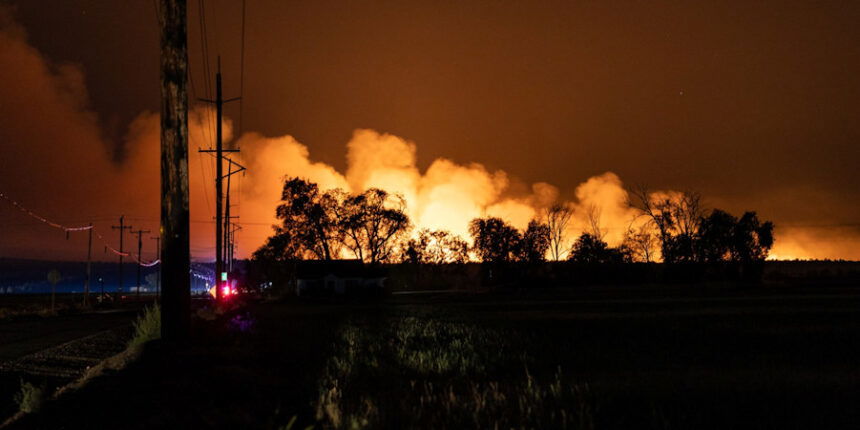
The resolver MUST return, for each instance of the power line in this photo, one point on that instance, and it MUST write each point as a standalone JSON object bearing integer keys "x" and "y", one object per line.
{"x": 242, "y": 74}
{"x": 44, "y": 220}
{"x": 819, "y": 225}
{"x": 203, "y": 176}
{"x": 67, "y": 229}
{"x": 215, "y": 29}
{"x": 108, "y": 247}
{"x": 204, "y": 47}
{"x": 201, "y": 221}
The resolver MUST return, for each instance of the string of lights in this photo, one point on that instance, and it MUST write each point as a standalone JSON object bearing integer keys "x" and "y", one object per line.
{"x": 68, "y": 229}
{"x": 139, "y": 261}
{"x": 107, "y": 245}
{"x": 43, "y": 219}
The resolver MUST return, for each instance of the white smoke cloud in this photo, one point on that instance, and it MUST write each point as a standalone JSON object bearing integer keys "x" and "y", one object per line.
{"x": 445, "y": 196}
{"x": 57, "y": 162}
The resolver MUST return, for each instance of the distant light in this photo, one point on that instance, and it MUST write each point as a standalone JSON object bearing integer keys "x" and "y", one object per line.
{"x": 226, "y": 291}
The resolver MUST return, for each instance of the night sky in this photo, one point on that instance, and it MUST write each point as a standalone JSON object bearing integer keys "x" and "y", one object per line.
{"x": 753, "y": 104}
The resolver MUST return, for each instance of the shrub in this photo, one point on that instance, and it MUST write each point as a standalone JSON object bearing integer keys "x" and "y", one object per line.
{"x": 29, "y": 399}
{"x": 147, "y": 327}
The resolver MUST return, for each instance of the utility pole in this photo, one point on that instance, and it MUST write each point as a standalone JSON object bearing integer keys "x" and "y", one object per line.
{"x": 233, "y": 243}
{"x": 122, "y": 228}
{"x": 139, "y": 234}
{"x": 89, "y": 267}
{"x": 175, "y": 246}
{"x": 226, "y": 229}
{"x": 228, "y": 233}
{"x": 158, "y": 272}
{"x": 219, "y": 179}
{"x": 228, "y": 240}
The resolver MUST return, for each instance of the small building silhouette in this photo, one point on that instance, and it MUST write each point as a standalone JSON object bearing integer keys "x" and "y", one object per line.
{"x": 338, "y": 277}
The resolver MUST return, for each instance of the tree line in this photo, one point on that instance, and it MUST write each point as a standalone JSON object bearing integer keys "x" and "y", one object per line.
{"x": 373, "y": 226}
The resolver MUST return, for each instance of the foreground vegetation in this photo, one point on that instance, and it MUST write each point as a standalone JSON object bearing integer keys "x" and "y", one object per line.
{"x": 601, "y": 357}
{"x": 61, "y": 380}
{"x": 417, "y": 370}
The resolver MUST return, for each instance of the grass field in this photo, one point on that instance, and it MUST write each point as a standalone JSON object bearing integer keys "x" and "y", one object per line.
{"x": 616, "y": 358}
{"x": 529, "y": 362}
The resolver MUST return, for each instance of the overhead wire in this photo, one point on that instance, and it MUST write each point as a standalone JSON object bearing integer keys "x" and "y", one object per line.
{"x": 44, "y": 220}
{"x": 204, "y": 43}
{"x": 207, "y": 78}
{"x": 242, "y": 75}
{"x": 68, "y": 229}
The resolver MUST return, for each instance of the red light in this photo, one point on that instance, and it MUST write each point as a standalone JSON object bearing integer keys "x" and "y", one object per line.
{"x": 226, "y": 291}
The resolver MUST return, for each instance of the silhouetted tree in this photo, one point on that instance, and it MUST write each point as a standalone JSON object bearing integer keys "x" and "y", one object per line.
{"x": 557, "y": 219}
{"x": 593, "y": 215}
{"x": 271, "y": 262}
{"x": 534, "y": 243}
{"x": 494, "y": 240}
{"x": 309, "y": 223}
{"x": 371, "y": 223}
{"x": 714, "y": 242}
{"x": 436, "y": 247}
{"x": 642, "y": 243}
{"x": 722, "y": 237}
{"x": 590, "y": 249}
{"x": 676, "y": 217}
{"x": 278, "y": 248}
{"x": 752, "y": 239}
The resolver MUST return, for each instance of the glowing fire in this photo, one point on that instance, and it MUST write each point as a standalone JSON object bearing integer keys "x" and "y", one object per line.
{"x": 445, "y": 196}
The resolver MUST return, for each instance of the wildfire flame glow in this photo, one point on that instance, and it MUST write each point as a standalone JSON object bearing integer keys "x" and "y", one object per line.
{"x": 444, "y": 196}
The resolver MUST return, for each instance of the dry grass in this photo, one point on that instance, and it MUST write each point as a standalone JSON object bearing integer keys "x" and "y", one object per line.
{"x": 424, "y": 372}
{"x": 147, "y": 327}
{"x": 30, "y": 398}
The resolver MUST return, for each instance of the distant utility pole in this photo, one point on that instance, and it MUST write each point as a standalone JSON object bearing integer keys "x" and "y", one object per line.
{"x": 158, "y": 272}
{"x": 228, "y": 233}
{"x": 89, "y": 266}
{"x": 122, "y": 228}
{"x": 232, "y": 248}
{"x": 228, "y": 239}
{"x": 219, "y": 179}
{"x": 139, "y": 234}
{"x": 175, "y": 243}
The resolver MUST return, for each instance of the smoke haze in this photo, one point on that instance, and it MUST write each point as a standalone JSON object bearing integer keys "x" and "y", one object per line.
{"x": 59, "y": 163}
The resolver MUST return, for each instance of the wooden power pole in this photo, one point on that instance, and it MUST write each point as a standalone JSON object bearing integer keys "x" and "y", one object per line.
{"x": 175, "y": 243}
{"x": 89, "y": 266}
{"x": 219, "y": 180}
{"x": 122, "y": 228}
{"x": 158, "y": 272}
{"x": 228, "y": 232}
{"x": 139, "y": 234}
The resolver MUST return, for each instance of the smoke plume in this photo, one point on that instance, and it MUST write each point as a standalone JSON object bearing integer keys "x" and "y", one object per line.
{"x": 58, "y": 163}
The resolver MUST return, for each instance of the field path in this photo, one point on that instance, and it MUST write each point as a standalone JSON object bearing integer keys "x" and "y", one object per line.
{"x": 23, "y": 337}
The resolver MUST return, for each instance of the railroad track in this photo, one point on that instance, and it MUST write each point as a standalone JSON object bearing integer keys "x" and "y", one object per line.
{"x": 71, "y": 359}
